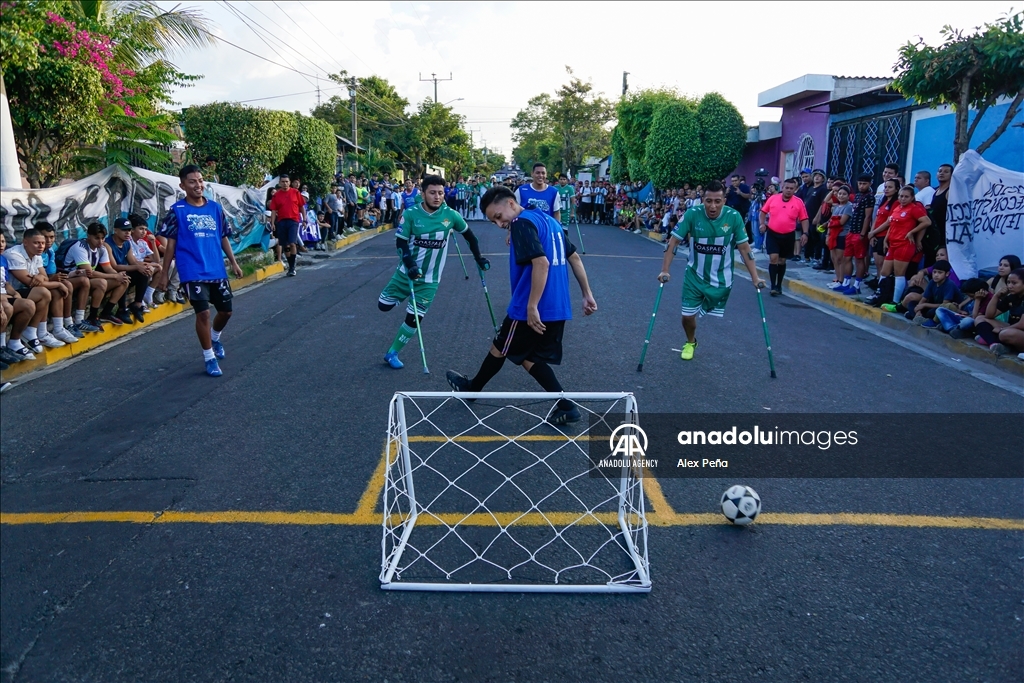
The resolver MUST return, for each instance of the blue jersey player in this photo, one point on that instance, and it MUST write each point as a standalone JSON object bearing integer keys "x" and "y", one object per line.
{"x": 197, "y": 239}
{"x": 531, "y": 335}
{"x": 538, "y": 194}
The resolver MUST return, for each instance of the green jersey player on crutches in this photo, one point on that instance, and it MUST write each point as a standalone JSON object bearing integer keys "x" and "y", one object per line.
{"x": 422, "y": 243}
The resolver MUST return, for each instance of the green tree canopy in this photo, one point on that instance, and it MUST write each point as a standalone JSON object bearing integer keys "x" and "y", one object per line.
{"x": 247, "y": 142}
{"x": 313, "y": 156}
{"x": 673, "y": 144}
{"x": 967, "y": 72}
{"x": 670, "y": 140}
{"x": 435, "y": 136}
{"x": 563, "y": 130}
{"x": 380, "y": 113}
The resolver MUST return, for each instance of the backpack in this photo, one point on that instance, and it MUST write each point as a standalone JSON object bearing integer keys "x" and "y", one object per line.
{"x": 62, "y": 253}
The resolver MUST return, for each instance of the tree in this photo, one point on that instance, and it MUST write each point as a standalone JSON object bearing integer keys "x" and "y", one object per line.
{"x": 435, "y": 136}
{"x": 247, "y": 142}
{"x": 674, "y": 144}
{"x": 313, "y": 154}
{"x": 692, "y": 142}
{"x": 373, "y": 160}
{"x": 563, "y": 130}
{"x": 95, "y": 63}
{"x": 380, "y": 112}
{"x": 967, "y": 72}
{"x": 723, "y": 137}
{"x": 635, "y": 114}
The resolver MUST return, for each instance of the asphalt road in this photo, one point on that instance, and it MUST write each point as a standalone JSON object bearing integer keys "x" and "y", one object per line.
{"x": 297, "y": 423}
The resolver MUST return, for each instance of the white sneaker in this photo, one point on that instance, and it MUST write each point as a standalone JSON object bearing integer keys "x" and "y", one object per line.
{"x": 833, "y": 285}
{"x": 64, "y": 336}
{"x": 51, "y": 342}
{"x": 24, "y": 353}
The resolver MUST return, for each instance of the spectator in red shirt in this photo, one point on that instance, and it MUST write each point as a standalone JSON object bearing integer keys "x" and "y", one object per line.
{"x": 904, "y": 230}
{"x": 285, "y": 213}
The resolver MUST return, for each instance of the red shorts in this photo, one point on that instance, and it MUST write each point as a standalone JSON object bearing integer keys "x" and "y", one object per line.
{"x": 833, "y": 238}
{"x": 901, "y": 250}
{"x": 855, "y": 246}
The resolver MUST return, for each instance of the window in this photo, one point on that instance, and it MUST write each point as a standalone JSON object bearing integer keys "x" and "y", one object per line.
{"x": 805, "y": 153}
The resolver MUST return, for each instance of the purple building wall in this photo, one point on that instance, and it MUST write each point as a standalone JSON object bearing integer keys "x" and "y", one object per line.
{"x": 796, "y": 123}
{"x": 759, "y": 155}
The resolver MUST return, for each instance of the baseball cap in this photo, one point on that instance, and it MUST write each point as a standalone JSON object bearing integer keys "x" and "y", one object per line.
{"x": 122, "y": 224}
{"x": 818, "y": 171}
{"x": 306, "y": 195}
{"x": 805, "y": 170}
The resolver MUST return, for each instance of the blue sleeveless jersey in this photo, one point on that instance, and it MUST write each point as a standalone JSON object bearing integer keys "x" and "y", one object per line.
{"x": 544, "y": 200}
{"x": 555, "y": 303}
{"x": 198, "y": 231}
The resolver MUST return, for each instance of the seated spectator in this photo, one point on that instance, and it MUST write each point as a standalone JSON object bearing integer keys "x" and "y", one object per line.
{"x": 1001, "y": 328}
{"x": 89, "y": 258}
{"x": 145, "y": 249}
{"x": 1007, "y": 265}
{"x": 50, "y": 266}
{"x": 940, "y": 292}
{"x": 325, "y": 228}
{"x": 28, "y": 276}
{"x": 17, "y": 312}
{"x": 959, "y": 321}
{"x": 140, "y": 273}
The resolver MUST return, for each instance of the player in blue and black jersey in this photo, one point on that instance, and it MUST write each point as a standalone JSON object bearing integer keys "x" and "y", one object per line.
{"x": 540, "y": 257}
{"x": 197, "y": 239}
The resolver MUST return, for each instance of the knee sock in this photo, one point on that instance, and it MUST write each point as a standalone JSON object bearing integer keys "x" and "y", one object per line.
{"x": 291, "y": 261}
{"x": 545, "y": 377}
{"x": 782, "y": 273}
{"x": 3, "y": 339}
{"x": 405, "y": 333}
{"x": 29, "y": 333}
{"x": 41, "y": 330}
{"x": 897, "y": 293}
{"x": 986, "y": 332}
{"x": 58, "y": 323}
{"x": 147, "y": 298}
{"x": 488, "y": 369}
{"x": 773, "y": 273}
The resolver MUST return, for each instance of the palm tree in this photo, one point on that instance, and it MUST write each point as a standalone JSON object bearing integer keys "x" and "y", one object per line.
{"x": 146, "y": 33}
{"x": 372, "y": 160}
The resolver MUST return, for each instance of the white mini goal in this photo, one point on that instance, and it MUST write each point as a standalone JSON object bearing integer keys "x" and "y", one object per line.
{"x": 481, "y": 493}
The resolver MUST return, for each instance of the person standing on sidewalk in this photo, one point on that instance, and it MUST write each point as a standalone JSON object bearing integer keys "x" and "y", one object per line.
{"x": 779, "y": 219}
{"x": 285, "y": 214}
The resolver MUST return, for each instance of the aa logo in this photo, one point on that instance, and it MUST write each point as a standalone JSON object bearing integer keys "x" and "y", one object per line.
{"x": 628, "y": 443}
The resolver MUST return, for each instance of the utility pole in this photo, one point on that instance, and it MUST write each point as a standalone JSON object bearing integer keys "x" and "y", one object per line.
{"x": 471, "y": 131}
{"x": 435, "y": 79}
{"x": 352, "y": 83}
{"x": 318, "y": 92}
{"x": 625, "y": 83}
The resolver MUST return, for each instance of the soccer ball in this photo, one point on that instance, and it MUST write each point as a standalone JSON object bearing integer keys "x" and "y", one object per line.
{"x": 741, "y": 504}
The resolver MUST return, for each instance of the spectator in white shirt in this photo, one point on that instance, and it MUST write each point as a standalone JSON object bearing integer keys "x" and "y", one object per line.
{"x": 89, "y": 258}
{"x": 923, "y": 188}
{"x": 17, "y": 312}
{"x": 28, "y": 275}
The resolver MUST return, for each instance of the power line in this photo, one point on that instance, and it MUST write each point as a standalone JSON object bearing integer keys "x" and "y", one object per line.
{"x": 294, "y": 94}
{"x": 246, "y": 21}
{"x": 250, "y": 52}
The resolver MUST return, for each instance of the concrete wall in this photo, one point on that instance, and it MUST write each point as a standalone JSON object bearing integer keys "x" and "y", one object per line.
{"x": 931, "y": 139}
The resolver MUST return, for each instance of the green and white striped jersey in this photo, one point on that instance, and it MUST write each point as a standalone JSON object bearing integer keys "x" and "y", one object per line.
{"x": 427, "y": 234}
{"x": 712, "y": 243}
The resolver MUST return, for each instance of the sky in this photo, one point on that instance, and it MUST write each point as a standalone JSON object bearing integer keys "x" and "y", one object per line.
{"x": 500, "y": 54}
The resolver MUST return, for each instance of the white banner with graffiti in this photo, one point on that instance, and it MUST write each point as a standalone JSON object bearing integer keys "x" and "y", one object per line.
{"x": 985, "y": 215}
{"x": 115, "y": 193}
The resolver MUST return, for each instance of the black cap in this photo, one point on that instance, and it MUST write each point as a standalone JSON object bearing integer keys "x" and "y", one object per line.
{"x": 122, "y": 224}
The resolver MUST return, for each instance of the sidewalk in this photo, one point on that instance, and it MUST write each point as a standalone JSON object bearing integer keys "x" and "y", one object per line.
{"x": 110, "y": 333}
{"x": 805, "y": 282}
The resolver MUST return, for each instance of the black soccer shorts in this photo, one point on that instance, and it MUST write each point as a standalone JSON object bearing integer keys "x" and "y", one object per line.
{"x": 202, "y": 294}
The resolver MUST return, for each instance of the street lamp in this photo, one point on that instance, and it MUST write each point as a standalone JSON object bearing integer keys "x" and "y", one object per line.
{"x": 450, "y": 101}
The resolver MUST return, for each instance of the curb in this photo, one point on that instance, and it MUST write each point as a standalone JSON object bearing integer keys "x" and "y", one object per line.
{"x": 111, "y": 333}
{"x": 162, "y": 312}
{"x": 961, "y": 348}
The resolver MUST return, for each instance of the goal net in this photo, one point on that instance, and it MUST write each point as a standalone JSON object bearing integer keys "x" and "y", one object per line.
{"x": 481, "y": 493}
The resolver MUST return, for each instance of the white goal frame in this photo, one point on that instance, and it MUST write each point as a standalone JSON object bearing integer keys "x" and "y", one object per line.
{"x": 399, "y": 486}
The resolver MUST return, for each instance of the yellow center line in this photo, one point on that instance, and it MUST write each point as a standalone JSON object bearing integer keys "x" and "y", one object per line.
{"x": 557, "y": 519}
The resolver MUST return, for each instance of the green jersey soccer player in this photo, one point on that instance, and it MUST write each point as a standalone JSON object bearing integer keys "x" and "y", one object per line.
{"x": 422, "y": 242}
{"x": 567, "y": 199}
{"x": 715, "y": 232}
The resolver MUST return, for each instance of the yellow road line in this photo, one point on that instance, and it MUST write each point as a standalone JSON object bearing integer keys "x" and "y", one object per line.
{"x": 306, "y": 518}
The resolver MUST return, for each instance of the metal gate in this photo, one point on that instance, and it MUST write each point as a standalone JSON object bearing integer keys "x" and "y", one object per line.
{"x": 867, "y": 145}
